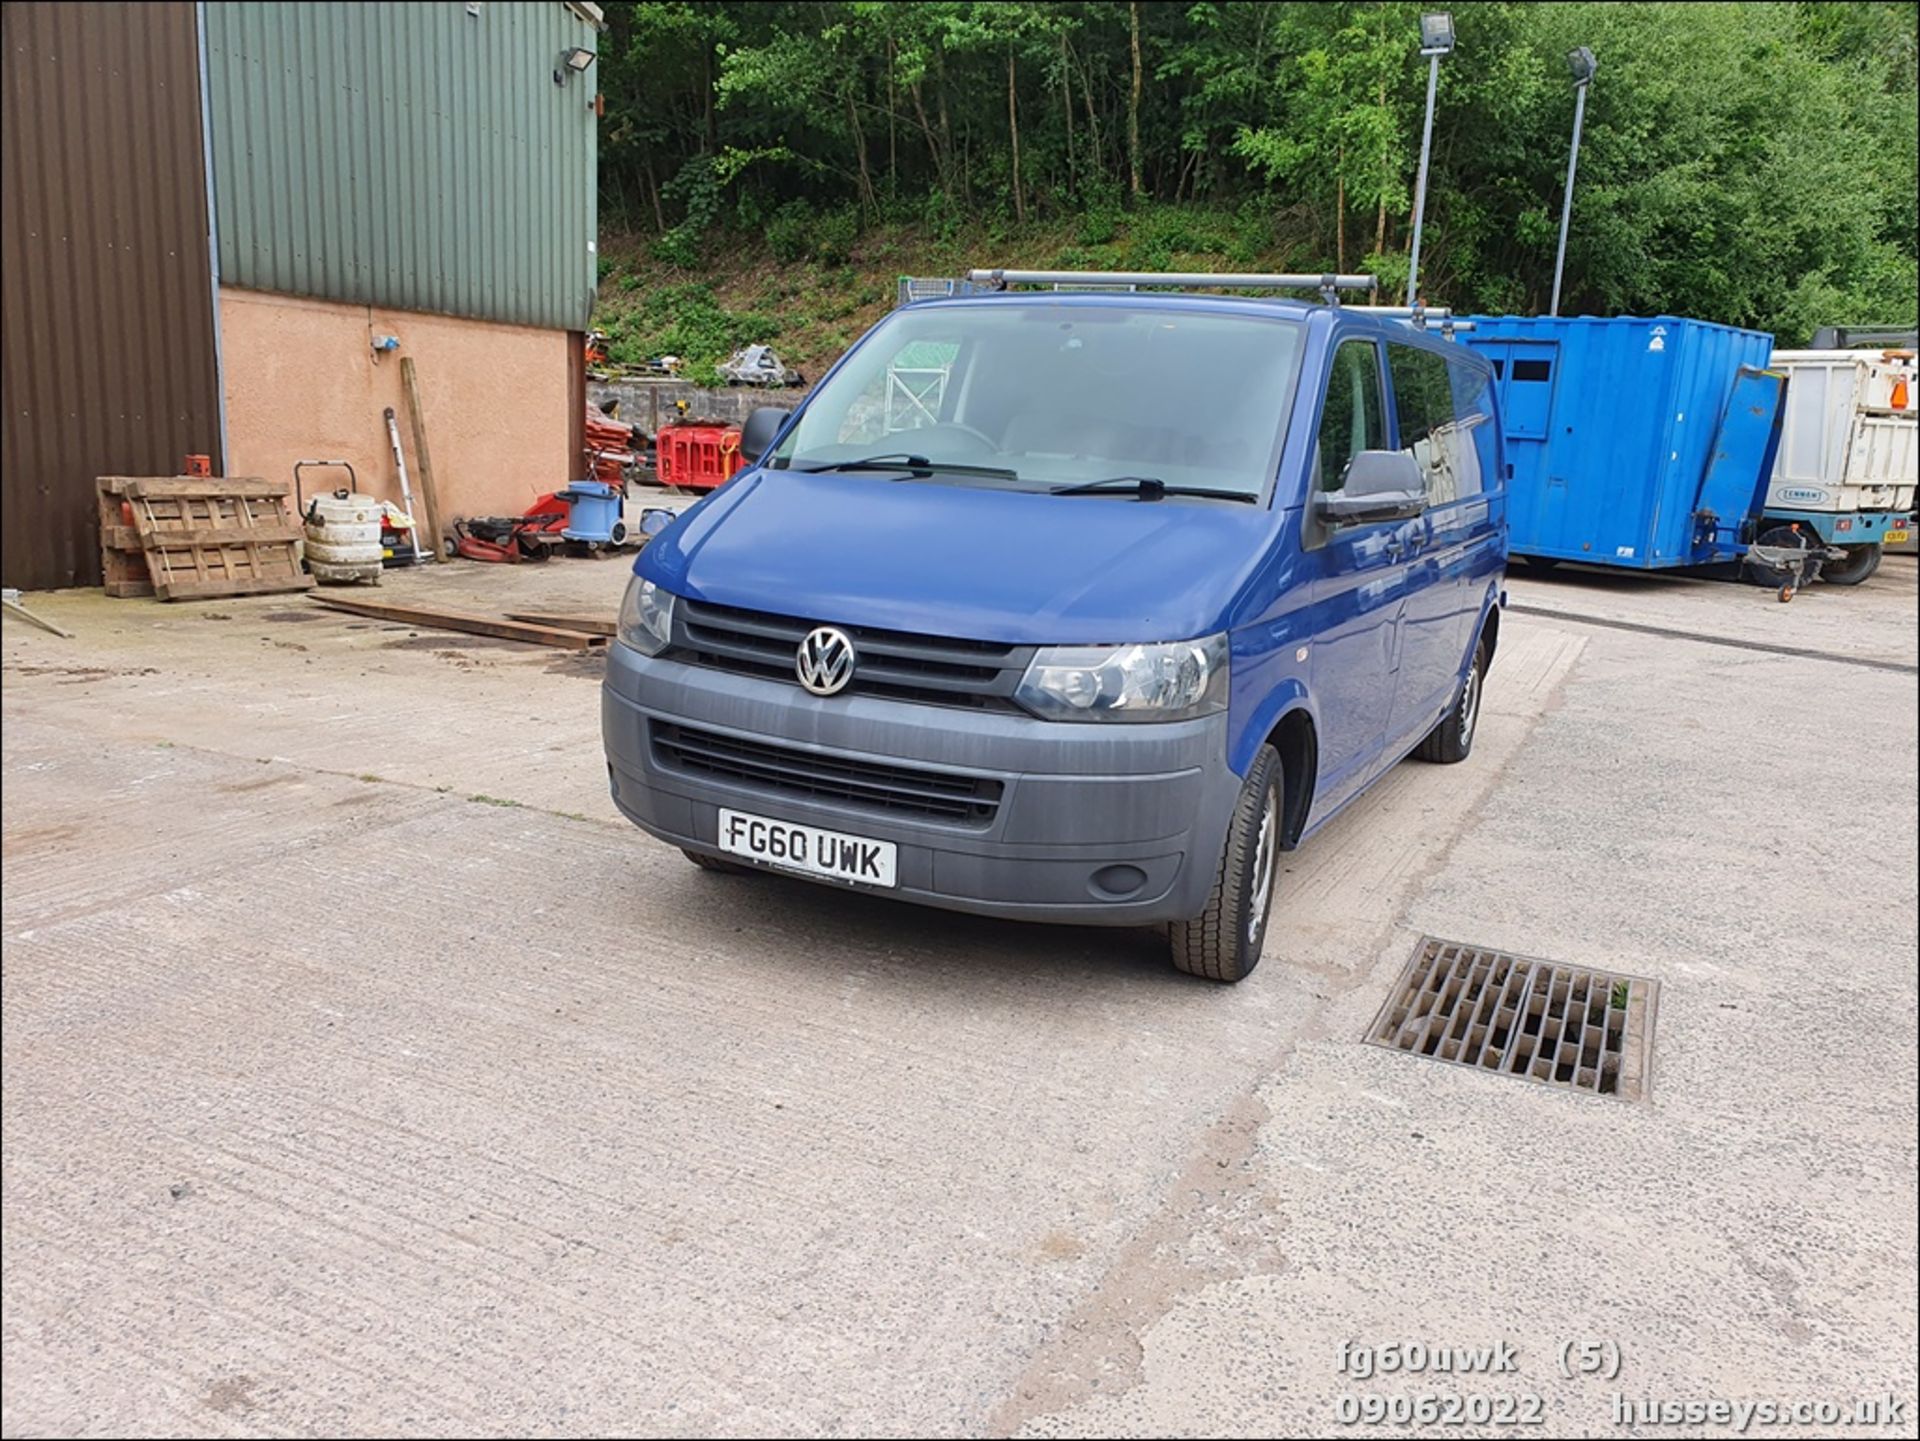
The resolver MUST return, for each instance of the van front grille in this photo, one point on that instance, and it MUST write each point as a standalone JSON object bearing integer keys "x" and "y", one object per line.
{"x": 935, "y": 670}
{"x": 846, "y": 780}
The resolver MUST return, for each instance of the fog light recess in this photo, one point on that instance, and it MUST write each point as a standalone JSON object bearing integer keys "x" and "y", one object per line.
{"x": 1116, "y": 883}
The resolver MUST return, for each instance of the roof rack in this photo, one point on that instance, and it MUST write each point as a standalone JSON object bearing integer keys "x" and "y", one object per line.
{"x": 1417, "y": 316}
{"x": 1329, "y": 286}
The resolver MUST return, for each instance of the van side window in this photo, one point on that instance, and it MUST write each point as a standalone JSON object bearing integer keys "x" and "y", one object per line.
{"x": 1476, "y": 455}
{"x": 1433, "y": 430}
{"x": 1352, "y": 421}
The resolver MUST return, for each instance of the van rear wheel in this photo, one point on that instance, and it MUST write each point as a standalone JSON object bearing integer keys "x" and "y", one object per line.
{"x": 1223, "y": 942}
{"x": 1452, "y": 740}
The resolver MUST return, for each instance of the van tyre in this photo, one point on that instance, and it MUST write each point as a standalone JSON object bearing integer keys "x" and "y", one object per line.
{"x": 1861, "y": 561}
{"x": 716, "y": 865}
{"x": 1451, "y": 741}
{"x": 1223, "y": 942}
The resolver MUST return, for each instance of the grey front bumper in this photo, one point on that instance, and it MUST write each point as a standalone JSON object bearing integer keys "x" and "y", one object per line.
{"x": 1075, "y": 800}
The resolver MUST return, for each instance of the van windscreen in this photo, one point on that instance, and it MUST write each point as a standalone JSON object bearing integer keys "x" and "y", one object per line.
{"x": 1047, "y": 394}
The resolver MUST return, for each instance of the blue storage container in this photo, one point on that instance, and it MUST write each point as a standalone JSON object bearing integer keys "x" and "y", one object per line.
{"x": 1626, "y": 444}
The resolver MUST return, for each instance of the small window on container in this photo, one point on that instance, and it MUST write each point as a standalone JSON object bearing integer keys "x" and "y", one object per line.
{"x": 1533, "y": 370}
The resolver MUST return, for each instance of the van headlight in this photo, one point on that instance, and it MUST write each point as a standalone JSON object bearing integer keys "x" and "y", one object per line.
{"x": 646, "y": 617}
{"x": 1173, "y": 681}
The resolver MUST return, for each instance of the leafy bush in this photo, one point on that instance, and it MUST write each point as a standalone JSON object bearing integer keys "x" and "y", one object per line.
{"x": 834, "y": 235}
{"x": 679, "y": 247}
{"x": 789, "y": 231}
{"x": 941, "y": 214}
{"x": 1098, "y": 227}
{"x": 697, "y": 189}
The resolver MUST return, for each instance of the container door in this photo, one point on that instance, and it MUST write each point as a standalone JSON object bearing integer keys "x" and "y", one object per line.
{"x": 1525, "y": 371}
{"x": 1739, "y": 465}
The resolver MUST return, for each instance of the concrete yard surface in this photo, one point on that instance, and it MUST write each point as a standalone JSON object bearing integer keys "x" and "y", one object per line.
{"x": 365, "y": 1072}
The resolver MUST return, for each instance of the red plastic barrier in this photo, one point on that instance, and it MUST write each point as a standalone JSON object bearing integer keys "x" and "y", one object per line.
{"x": 697, "y": 456}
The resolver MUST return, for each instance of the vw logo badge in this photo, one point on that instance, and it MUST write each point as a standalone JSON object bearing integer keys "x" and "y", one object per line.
{"x": 824, "y": 663}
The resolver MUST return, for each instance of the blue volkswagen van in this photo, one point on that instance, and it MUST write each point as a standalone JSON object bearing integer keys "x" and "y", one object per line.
{"x": 1074, "y": 607}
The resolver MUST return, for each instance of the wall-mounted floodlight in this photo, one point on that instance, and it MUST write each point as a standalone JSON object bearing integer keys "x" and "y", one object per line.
{"x": 572, "y": 62}
{"x": 1436, "y": 33}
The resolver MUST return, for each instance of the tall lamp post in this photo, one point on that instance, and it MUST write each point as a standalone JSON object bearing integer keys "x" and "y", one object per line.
{"x": 1436, "y": 39}
{"x": 1582, "y": 64}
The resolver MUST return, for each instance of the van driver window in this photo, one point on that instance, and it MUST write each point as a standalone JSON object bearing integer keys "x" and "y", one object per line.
{"x": 1352, "y": 420}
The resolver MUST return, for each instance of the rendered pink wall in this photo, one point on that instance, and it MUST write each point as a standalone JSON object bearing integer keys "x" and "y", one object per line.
{"x": 302, "y": 382}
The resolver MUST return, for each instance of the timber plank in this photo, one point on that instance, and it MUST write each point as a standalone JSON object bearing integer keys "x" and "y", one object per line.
{"x": 465, "y": 621}
{"x": 187, "y": 487}
{"x": 590, "y": 624}
{"x": 242, "y": 535}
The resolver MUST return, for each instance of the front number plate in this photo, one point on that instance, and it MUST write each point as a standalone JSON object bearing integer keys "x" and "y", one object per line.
{"x": 808, "y": 848}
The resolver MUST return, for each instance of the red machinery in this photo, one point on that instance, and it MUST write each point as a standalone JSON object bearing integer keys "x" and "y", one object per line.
{"x": 512, "y": 538}
{"x": 613, "y": 448}
{"x": 697, "y": 455}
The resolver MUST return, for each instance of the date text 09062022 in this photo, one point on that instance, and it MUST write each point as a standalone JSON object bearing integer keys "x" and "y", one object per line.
{"x": 1429, "y": 1409}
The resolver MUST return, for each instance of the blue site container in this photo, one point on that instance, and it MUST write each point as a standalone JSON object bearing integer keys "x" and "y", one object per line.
{"x": 1626, "y": 442}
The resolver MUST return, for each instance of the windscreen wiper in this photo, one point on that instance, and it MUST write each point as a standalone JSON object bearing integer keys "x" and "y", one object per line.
{"x": 1148, "y": 487}
{"x": 917, "y": 465}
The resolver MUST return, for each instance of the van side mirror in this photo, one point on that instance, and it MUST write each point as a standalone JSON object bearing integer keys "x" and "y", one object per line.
{"x": 763, "y": 424}
{"x": 1378, "y": 485}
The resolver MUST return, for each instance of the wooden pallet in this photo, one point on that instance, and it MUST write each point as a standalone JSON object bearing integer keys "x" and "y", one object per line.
{"x": 123, "y": 562}
{"x": 201, "y": 537}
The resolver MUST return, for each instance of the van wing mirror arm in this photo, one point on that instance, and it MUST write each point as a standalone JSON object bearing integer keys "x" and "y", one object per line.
{"x": 1337, "y": 506}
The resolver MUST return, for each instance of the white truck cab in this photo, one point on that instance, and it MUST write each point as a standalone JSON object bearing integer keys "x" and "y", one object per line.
{"x": 1849, "y": 450}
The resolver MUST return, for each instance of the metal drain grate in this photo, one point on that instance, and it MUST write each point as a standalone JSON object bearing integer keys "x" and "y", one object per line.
{"x": 1564, "y": 1025}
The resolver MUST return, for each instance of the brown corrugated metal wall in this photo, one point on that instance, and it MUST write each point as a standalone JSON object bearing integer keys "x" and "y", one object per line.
{"x": 108, "y": 297}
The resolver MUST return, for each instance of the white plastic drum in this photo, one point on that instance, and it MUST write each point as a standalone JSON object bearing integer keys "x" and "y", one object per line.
{"x": 343, "y": 531}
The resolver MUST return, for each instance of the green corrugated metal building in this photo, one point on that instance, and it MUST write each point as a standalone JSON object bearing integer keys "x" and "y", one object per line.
{"x": 417, "y": 155}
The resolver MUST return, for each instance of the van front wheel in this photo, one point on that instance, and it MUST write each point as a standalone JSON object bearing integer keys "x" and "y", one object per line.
{"x": 1223, "y": 942}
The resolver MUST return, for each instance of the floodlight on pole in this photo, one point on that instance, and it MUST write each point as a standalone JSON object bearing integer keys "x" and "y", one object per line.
{"x": 1582, "y": 65}
{"x": 1436, "y": 39}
